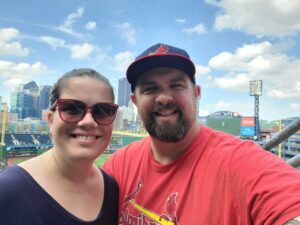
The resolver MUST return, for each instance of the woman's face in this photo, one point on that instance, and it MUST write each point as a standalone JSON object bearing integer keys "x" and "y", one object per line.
{"x": 86, "y": 139}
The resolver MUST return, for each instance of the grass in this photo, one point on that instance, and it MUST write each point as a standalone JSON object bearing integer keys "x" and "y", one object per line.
{"x": 17, "y": 161}
{"x": 99, "y": 161}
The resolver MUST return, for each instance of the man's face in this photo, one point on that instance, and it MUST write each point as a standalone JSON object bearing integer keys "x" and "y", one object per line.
{"x": 166, "y": 100}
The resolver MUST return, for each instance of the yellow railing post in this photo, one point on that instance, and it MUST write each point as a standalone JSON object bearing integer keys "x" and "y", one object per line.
{"x": 4, "y": 120}
{"x": 279, "y": 146}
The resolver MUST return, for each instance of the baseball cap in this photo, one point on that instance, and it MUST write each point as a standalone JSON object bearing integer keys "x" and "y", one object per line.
{"x": 160, "y": 55}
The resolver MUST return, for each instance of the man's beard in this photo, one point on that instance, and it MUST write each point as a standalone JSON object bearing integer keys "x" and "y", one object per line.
{"x": 167, "y": 131}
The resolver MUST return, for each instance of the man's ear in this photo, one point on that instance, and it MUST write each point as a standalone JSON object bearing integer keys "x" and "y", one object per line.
{"x": 133, "y": 98}
{"x": 197, "y": 91}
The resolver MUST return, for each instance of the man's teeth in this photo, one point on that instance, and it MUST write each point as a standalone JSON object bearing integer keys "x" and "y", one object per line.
{"x": 86, "y": 137}
{"x": 165, "y": 113}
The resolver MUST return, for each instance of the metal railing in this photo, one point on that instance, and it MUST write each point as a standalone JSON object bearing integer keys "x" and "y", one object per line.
{"x": 282, "y": 136}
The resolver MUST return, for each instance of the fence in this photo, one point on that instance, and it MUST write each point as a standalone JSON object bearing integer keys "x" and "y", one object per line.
{"x": 283, "y": 135}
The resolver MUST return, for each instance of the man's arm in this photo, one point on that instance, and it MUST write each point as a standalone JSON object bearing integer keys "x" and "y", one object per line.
{"x": 295, "y": 221}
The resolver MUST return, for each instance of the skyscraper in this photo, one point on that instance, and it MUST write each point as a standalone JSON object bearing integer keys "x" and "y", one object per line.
{"x": 44, "y": 98}
{"x": 24, "y": 100}
{"x": 22, "y": 104}
{"x": 32, "y": 89}
{"x": 124, "y": 92}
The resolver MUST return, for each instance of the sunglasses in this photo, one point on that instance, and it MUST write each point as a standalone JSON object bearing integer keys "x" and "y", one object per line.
{"x": 72, "y": 111}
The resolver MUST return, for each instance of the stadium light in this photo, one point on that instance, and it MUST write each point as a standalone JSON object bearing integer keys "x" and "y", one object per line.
{"x": 256, "y": 91}
{"x": 256, "y": 87}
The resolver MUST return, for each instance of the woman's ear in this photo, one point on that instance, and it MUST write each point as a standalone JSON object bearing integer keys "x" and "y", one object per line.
{"x": 50, "y": 118}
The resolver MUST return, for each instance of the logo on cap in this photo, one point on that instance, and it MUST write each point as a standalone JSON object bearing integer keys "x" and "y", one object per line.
{"x": 162, "y": 49}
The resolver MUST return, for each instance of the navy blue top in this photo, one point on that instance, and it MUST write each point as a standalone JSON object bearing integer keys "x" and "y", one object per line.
{"x": 24, "y": 202}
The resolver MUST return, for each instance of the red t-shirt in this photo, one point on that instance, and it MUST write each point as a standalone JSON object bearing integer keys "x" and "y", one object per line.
{"x": 219, "y": 179}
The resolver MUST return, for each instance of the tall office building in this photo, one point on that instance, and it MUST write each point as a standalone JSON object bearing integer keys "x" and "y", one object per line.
{"x": 44, "y": 99}
{"x": 22, "y": 104}
{"x": 32, "y": 89}
{"x": 24, "y": 100}
{"x": 124, "y": 92}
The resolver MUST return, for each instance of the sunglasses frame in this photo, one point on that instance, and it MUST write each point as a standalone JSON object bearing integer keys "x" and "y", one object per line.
{"x": 58, "y": 103}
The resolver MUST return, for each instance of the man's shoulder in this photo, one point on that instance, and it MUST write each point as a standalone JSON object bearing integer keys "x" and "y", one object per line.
{"x": 220, "y": 137}
{"x": 136, "y": 146}
{"x": 126, "y": 156}
{"x": 129, "y": 152}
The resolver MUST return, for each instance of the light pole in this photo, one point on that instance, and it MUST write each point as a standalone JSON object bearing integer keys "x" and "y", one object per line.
{"x": 256, "y": 91}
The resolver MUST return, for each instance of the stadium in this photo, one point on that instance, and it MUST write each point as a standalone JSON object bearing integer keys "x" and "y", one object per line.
{"x": 21, "y": 146}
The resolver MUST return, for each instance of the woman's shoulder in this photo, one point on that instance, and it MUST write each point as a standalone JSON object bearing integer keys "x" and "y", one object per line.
{"x": 109, "y": 181}
{"x": 12, "y": 180}
{"x": 10, "y": 174}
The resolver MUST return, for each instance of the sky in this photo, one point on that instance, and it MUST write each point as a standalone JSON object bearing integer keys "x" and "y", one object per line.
{"x": 231, "y": 43}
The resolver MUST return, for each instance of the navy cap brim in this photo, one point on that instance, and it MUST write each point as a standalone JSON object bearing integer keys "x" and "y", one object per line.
{"x": 142, "y": 65}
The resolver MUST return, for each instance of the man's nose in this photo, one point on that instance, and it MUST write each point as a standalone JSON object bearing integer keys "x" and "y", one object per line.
{"x": 164, "y": 98}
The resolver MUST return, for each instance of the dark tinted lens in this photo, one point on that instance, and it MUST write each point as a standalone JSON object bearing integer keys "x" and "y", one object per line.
{"x": 104, "y": 113}
{"x": 71, "y": 111}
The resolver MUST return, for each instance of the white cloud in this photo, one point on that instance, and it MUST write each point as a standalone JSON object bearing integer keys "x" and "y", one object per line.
{"x": 91, "y": 25}
{"x": 13, "y": 48}
{"x": 249, "y": 51}
{"x": 243, "y": 108}
{"x": 21, "y": 72}
{"x": 180, "y": 20}
{"x": 203, "y": 112}
{"x": 123, "y": 60}
{"x": 262, "y": 18}
{"x": 233, "y": 82}
{"x": 7, "y": 34}
{"x": 77, "y": 51}
{"x": 198, "y": 29}
{"x": 54, "y": 42}
{"x": 10, "y": 47}
{"x": 13, "y": 82}
{"x": 202, "y": 70}
{"x": 81, "y": 51}
{"x": 127, "y": 32}
{"x": 242, "y": 56}
{"x": 67, "y": 26}
{"x": 222, "y": 61}
{"x": 219, "y": 106}
{"x": 295, "y": 106}
{"x": 261, "y": 61}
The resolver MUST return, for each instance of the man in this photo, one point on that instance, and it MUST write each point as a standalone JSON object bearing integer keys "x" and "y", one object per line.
{"x": 185, "y": 173}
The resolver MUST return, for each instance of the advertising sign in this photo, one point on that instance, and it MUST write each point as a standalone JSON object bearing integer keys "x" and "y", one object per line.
{"x": 247, "y": 131}
{"x": 248, "y": 121}
{"x": 221, "y": 114}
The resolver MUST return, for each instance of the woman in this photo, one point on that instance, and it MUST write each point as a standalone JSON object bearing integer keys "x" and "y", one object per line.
{"x": 63, "y": 186}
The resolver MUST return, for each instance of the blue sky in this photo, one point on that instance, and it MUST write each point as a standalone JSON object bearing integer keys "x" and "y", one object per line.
{"x": 230, "y": 41}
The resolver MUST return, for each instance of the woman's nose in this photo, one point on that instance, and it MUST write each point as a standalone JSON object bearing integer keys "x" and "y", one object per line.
{"x": 88, "y": 119}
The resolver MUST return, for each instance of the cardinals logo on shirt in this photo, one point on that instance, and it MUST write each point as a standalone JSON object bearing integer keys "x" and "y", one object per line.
{"x": 146, "y": 216}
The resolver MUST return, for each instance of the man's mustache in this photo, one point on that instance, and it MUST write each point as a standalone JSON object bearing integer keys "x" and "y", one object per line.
{"x": 168, "y": 106}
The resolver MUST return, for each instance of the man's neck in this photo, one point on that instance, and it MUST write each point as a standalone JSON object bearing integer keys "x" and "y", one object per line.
{"x": 167, "y": 152}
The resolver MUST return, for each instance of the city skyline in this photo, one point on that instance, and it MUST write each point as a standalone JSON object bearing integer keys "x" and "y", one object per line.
{"x": 231, "y": 43}
{"x": 124, "y": 92}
